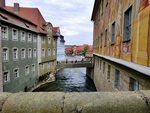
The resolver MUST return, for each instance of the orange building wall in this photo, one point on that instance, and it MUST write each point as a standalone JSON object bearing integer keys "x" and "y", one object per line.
{"x": 136, "y": 50}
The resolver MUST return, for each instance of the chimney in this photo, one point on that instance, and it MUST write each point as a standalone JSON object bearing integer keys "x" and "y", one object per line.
{"x": 16, "y": 7}
{"x": 2, "y": 3}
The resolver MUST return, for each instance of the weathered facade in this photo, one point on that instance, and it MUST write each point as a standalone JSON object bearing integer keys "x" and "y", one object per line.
{"x": 18, "y": 51}
{"x": 121, "y": 44}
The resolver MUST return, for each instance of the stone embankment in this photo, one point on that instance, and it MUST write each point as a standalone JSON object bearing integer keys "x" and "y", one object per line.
{"x": 59, "y": 102}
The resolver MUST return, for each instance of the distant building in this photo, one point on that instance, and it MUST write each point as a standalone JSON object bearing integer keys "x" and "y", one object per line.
{"x": 60, "y": 45}
{"x": 121, "y": 45}
{"x": 28, "y": 47}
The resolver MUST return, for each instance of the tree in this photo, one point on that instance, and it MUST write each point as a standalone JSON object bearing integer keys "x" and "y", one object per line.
{"x": 86, "y": 48}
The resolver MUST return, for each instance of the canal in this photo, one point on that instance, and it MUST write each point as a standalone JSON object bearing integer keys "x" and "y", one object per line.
{"x": 69, "y": 80}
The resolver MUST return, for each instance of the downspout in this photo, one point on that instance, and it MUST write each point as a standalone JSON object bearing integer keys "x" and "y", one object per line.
{"x": 1, "y": 73}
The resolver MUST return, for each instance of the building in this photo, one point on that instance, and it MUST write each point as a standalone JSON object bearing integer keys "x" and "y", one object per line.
{"x": 18, "y": 51}
{"x": 29, "y": 50}
{"x": 121, "y": 45}
{"x": 60, "y": 45}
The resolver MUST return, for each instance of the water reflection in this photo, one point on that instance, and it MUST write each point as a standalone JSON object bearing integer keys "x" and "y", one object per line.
{"x": 70, "y": 80}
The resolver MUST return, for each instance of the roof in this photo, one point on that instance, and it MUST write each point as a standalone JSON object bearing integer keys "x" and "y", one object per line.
{"x": 16, "y": 20}
{"x": 139, "y": 68}
{"x": 31, "y": 14}
{"x": 95, "y": 9}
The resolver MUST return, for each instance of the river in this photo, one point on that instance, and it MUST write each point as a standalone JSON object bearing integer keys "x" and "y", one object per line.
{"x": 69, "y": 80}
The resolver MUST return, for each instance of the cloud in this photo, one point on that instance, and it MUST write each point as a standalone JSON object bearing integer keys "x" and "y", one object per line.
{"x": 72, "y": 16}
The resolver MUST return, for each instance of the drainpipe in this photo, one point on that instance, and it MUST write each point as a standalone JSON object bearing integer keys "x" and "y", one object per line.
{"x": 1, "y": 73}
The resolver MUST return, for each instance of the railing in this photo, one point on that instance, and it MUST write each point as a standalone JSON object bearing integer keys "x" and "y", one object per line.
{"x": 57, "y": 102}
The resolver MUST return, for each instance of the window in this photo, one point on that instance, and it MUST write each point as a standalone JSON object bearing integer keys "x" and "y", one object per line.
{"x": 29, "y": 53}
{"x": 27, "y": 70}
{"x": 103, "y": 67}
{"x": 6, "y": 76}
{"x": 100, "y": 65}
{"x": 106, "y": 37}
{"x": 127, "y": 24}
{"x": 43, "y": 40}
{"x": 49, "y": 64}
{"x": 43, "y": 52}
{"x": 29, "y": 37}
{"x": 5, "y": 54}
{"x": 117, "y": 78}
{"x": 23, "y": 36}
{"x": 23, "y": 53}
{"x": 34, "y": 53}
{"x": 49, "y": 40}
{"x": 54, "y": 51}
{"x": 54, "y": 43}
{"x": 16, "y": 73}
{"x": 133, "y": 84}
{"x": 42, "y": 66}
{"x": 101, "y": 36}
{"x": 4, "y": 32}
{"x": 34, "y": 38}
{"x": 49, "y": 52}
{"x": 113, "y": 34}
{"x": 15, "y": 54}
{"x": 33, "y": 68}
{"x": 108, "y": 72}
{"x": 14, "y": 34}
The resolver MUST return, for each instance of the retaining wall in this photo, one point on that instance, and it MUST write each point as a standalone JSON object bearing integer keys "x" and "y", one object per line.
{"x": 59, "y": 102}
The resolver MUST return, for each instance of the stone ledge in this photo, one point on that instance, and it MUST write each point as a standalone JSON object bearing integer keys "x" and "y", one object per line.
{"x": 59, "y": 102}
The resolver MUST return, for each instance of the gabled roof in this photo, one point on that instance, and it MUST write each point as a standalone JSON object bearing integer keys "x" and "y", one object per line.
{"x": 95, "y": 9}
{"x": 31, "y": 14}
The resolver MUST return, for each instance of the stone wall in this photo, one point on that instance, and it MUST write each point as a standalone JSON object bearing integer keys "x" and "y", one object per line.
{"x": 105, "y": 102}
{"x": 105, "y": 82}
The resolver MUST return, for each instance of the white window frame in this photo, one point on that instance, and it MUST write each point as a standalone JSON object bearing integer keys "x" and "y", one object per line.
{"x": 24, "y": 55}
{"x": 23, "y": 39}
{"x": 16, "y": 54}
{"x": 43, "y": 52}
{"x": 34, "y": 52}
{"x": 29, "y": 53}
{"x": 7, "y": 54}
{"x": 27, "y": 71}
{"x": 43, "y": 40}
{"x": 8, "y": 77}
{"x": 33, "y": 67}
{"x": 49, "y": 51}
{"x": 6, "y": 34}
{"x": 16, "y": 73}
{"x": 29, "y": 37}
{"x": 14, "y": 37}
{"x": 34, "y": 38}
{"x": 49, "y": 40}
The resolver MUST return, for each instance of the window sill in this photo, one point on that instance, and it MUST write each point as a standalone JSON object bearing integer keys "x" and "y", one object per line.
{"x": 5, "y": 61}
{"x": 112, "y": 44}
{"x": 126, "y": 41}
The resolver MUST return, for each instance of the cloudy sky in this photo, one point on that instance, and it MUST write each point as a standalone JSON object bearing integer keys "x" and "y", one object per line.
{"x": 72, "y": 16}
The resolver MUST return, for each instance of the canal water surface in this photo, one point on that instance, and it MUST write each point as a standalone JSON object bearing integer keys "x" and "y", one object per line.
{"x": 69, "y": 80}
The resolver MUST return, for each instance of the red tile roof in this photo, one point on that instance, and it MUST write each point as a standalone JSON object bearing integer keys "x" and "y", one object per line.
{"x": 56, "y": 29}
{"x": 32, "y": 14}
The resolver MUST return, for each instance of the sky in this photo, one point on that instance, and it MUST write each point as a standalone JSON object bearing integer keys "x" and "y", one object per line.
{"x": 72, "y": 16}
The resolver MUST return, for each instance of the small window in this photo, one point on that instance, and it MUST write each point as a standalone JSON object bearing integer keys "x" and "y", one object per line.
{"x": 54, "y": 51}
{"x": 4, "y": 32}
{"x": 27, "y": 70}
{"x": 117, "y": 78}
{"x": 113, "y": 34}
{"x": 29, "y": 53}
{"x": 5, "y": 54}
{"x": 15, "y": 34}
{"x": 16, "y": 73}
{"x": 49, "y": 40}
{"x": 49, "y": 52}
{"x": 42, "y": 66}
{"x": 100, "y": 64}
{"x": 43, "y": 52}
{"x": 127, "y": 24}
{"x": 15, "y": 54}
{"x": 6, "y": 76}
{"x": 106, "y": 37}
{"x": 33, "y": 68}
{"x": 34, "y": 38}
{"x": 49, "y": 64}
{"x": 103, "y": 67}
{"x": 23, "y": 53}
{"x": 29, "y": 37}
{"x": 108, "y": 72}
{"x": 133, "y": 85}
{"x": 43, "y": 40}
{"x": 101, "y": 36}
{"x": 34, "y": 53}
{"x": 54, "y": 43}
{"x": 23, "y": 36}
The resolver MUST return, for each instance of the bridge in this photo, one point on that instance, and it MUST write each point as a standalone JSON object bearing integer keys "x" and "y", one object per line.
{"x": 60, "y": 102}
{"x": 74, "y": 64}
